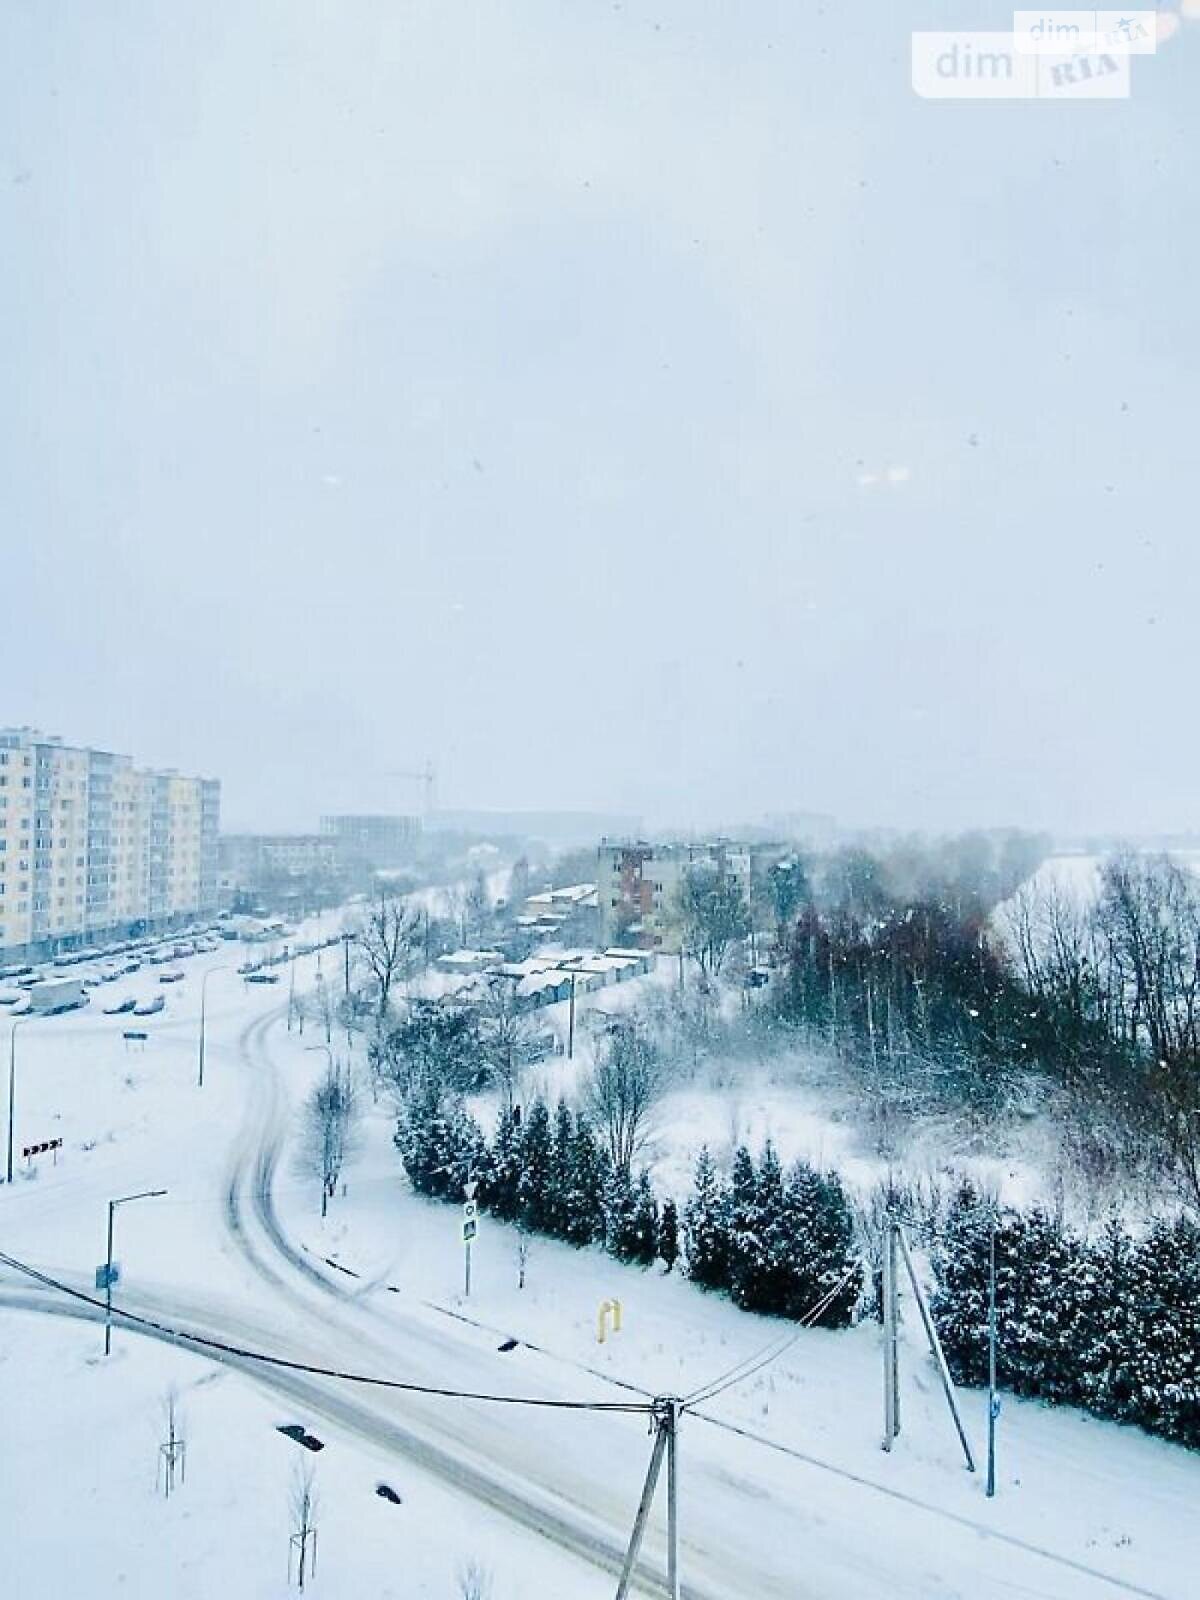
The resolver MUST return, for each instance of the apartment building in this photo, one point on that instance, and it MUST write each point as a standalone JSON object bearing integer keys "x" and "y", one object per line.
{"x": 248, "y": 859}
{"x": 638, "y": 885}
{"x": 374, "y": 841}
{"x": 92, "y": 846}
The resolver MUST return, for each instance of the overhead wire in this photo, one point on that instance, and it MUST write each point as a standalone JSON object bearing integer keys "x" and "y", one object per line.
{"x": 749, "y": 1365}
{"x": 269, "y": 1358}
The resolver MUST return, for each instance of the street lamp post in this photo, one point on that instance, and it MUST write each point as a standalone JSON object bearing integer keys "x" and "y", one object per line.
{"x": 203, "y": 1005}
{"x": 12, "y": 1086}
{"x": 145, "y": 1194}
{"x": 347, "y": 941}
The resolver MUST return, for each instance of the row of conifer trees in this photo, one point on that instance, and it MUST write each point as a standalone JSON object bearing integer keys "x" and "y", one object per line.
{"x": 776, "y": 1241}
{"x": 1110, "y": 1323}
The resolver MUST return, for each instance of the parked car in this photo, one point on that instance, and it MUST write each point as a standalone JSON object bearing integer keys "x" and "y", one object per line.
{"x": 120, "y": 1008}
{"x": 170, "y": 977}
{"x": 151, "y": 1008}
{"x": 263, "y": 977}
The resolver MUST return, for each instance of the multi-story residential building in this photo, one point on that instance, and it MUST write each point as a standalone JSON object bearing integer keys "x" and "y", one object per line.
{"x": 638, "y": 885}
{"x": 376, "y": 841}
{"x": 248, "y": 859}
{"x": 91, "y": 845}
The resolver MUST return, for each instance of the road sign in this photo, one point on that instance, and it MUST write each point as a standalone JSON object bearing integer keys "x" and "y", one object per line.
{"x": 470, "y": 1229}
{"x": 108, "y": 1277}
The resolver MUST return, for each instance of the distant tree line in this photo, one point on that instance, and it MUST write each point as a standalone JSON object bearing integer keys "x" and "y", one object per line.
{"x": 1111, "y": 1324}
{"x": 906, "y": 971}
{"x": 892, "y": 959}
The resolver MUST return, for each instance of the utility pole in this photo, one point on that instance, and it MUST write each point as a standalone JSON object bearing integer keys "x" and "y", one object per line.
{"x": 347, "y": 939}
{"x": 470, "y": 1224}
{"x": 12, "y": 1086}
{"x": 891, "y": 1361}
{"x": 203, "y": 1010}
{"x": 935, "y": 1349}
{"x": 146, "y": 1194}
{"x": 667, "y": 1412}
{"x": 993, "y": 1400}
{"x": 571, "y": 1023}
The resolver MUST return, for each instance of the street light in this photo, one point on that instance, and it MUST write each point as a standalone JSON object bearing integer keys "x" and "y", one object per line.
{"x": 347, "y": 941}
{"x": 145, "y": 1194}
{"x": 12, "y": 1084}
{"x": 203, "y": 1001}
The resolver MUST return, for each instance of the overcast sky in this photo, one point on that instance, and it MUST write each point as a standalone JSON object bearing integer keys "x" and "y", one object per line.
{"x": 652, "y": 406}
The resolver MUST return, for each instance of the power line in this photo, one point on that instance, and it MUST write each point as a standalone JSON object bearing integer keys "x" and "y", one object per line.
{"x": 749, "y": 1365}
{"x": 269, "y": 1359}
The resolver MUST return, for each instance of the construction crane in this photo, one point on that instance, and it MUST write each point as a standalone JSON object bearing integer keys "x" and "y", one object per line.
{"x": 427, "y": 778}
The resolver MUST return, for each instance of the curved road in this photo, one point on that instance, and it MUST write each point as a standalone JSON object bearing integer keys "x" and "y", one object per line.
{"x": 771, "y": 1529}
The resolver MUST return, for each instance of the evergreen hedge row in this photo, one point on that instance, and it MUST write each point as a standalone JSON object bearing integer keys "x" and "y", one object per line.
{"x": 778, "y": 1243}
{"x": 1111, "y": 1324}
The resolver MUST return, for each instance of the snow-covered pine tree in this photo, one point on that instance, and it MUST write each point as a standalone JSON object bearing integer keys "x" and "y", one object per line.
{"x": 828, "y": 1269}
{"x": 533, "y": 1187}
{"x": 1040, "y": 1334}
{"x": 588, "y": 1177}
{"x": 1166, "y": 1364}
{"x": 620, "y": 1216}
{"x": 764, "y": 1248}
{"x": 668, "y": 1234}
{"x": 562, "y": 1155}
{"x": 960, "y": 1298}
{"x": 645, "y": 1220}
{"x": 1111, "y": 1322}
{"x": 501, "y": 1191}
{"x": 706, "y": 1225}
{"x": 747, "y": 1244}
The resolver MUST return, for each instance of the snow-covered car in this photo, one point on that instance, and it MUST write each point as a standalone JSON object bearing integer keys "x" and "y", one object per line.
{"x": 151, "y": 1008}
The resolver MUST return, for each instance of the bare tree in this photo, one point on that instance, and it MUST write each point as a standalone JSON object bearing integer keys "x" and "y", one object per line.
{"x": 1149, "y": 912}
{"x": 504, "y": 1031}
{"x": 303, "y": 1543}
{"x": 628, "y": 1078}
{"x": 331, "y": 1115}
{"x": 390, "y": 939}
{"x": 477, "y": 906}
{"x": 713, "y": 915}
{"x": 474, "y": 1581}
{"x": 172, "y": 1452}
{"x": 319, "y": 1005}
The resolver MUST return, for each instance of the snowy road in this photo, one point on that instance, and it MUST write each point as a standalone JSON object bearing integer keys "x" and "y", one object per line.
{"x": 762, "y": 1514}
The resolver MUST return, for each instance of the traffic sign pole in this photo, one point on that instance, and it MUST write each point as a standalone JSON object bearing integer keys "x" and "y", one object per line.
{"x": 112, "y": 1206}
{"x": 470, "y": 1227}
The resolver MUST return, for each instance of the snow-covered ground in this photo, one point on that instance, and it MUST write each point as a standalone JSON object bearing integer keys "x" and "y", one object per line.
{"x": 785, "y": 1491}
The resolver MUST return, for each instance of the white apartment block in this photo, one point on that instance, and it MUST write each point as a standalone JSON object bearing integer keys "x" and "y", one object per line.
{"x": 91, "y": 845}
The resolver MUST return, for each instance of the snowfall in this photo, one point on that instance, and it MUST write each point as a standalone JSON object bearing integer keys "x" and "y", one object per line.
{"x": 784, "y": 1487}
